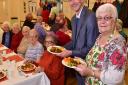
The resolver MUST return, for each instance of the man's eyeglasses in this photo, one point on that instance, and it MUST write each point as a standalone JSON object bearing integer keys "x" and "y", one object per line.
{"x": 107, "y": 18}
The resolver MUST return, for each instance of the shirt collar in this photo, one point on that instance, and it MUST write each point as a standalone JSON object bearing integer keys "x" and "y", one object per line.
{"x": 78, "y": 14}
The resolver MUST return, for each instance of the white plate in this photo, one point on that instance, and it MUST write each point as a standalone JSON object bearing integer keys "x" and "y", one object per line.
{"x": 49, "y": 49}
{"x": 66, "y": 63}
{"x": 20, "y": 68}
{"x": 3, "y": 48}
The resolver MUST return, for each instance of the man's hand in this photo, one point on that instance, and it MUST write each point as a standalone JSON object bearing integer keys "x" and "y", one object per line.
{"x": 65, "y": 53}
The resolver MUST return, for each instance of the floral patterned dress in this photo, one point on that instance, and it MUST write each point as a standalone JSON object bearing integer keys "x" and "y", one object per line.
{"x": 110, "y": 60}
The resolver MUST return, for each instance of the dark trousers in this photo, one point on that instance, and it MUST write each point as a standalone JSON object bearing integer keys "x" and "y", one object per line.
{"x": 80, "y": 79}
{"x": 70, "y": 77}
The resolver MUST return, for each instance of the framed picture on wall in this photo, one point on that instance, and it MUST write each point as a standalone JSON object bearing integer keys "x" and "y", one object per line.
{"x": 32, "y": 6}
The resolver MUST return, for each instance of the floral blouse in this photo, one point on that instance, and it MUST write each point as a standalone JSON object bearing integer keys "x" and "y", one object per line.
{"x": 110, "y": 60}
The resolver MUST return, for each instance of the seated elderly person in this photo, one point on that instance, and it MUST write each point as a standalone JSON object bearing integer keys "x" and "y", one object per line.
{"x": 39, "y": 28}
{"x": 63, "y": 37}
{"x": 7, "y": 34}
{"x": 62, "y": 16}
{"x": 55, "y": 26}
{"x": 16, "y": 37}
{"x": 24, "y": 42}
{"x": 35, "y": 48}
{"x": 105, "y": 62}
{"x": 51, "y": 64}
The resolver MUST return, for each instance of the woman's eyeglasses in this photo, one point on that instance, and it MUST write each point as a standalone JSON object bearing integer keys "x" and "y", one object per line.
{"x": 107, "y": 18}
{"x": 49, "y": 42}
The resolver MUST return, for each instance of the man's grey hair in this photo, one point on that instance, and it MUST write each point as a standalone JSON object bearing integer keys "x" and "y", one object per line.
{"x": 107, "y": 8}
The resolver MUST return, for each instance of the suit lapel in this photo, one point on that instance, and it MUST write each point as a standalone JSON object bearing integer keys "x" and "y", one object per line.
{"x": 81, "y": 21}
{"x": 79, "y": 28}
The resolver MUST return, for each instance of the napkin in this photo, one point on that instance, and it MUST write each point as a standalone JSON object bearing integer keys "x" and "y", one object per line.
{"x": 15, "y": 57}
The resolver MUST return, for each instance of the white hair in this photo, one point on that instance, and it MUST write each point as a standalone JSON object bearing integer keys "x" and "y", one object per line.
{"x": 34, "y": 33}
{"x": 6, "y": 23}
{"x": 119, "y": 24}
{"x": 107, "y": 8}
{"x": 16, "y": 25}
{"x": 25, "y": 28}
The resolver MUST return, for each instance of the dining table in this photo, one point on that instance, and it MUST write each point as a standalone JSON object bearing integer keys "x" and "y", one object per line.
{"x": 9, "y": 65}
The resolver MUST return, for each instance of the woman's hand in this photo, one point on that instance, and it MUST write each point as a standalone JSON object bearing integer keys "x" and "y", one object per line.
{"x": 84, "y": 70}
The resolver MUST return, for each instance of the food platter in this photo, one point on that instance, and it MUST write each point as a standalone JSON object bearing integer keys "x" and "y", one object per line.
{"x": 72, "y": 62}
{"x": 2, "y": 75}
{"x": 27, "y": 67}
{"x": 55, "y": 49}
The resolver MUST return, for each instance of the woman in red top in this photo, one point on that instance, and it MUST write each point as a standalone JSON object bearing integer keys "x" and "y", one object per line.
{"x": 51, "y": 64}
{"x": 16, "y": 37}
{"x": 63, "y": 33}
{"x": 45, "y": 14}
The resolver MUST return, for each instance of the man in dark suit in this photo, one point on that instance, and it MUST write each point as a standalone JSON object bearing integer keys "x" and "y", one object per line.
{"x": 84, "y": 33}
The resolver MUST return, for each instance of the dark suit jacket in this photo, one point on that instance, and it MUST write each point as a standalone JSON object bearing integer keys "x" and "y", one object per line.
{"x": 85, "y": 36}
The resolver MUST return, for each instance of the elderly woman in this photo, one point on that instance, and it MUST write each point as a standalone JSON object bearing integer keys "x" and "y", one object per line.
{"x": 63, "y": 37}
{"x": 7, "y": 34}
{"x": 16, "y": 37}
{"x": 35, "y": 48}
{"x": 51, "y": 64}
{"x": 105, "y": 62}
{"x": 24, "y": 42}
{"x": 39, "y": 28}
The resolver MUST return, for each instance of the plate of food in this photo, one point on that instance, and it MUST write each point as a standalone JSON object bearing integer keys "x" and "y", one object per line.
{"x": 72, "y": 62}
{"x": 27, "y": 67}
{"x": 55, "y": 49}
{"x": 2, "y": 75}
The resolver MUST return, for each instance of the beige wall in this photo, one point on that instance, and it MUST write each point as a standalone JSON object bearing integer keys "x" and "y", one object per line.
{"x": 14, "y": 8}
{"x": 3, "y": 10}
{"x": 69, "y": 13}
{"x": 67, "y": 10}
